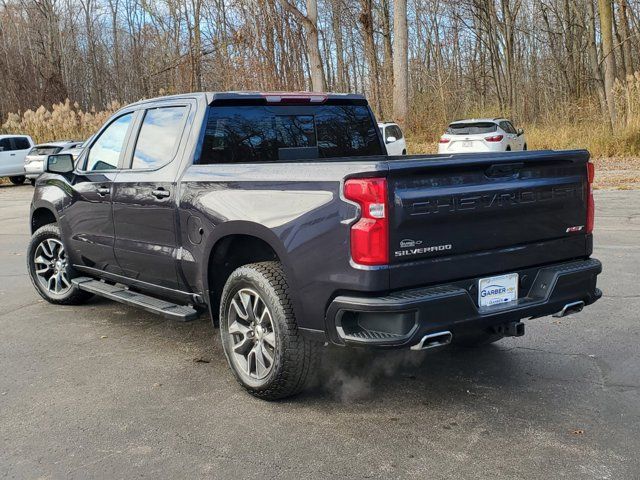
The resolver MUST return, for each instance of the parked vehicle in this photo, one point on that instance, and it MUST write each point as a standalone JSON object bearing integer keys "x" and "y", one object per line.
{"x": 482, "y": 135}
{"x": 13, "y": 150}
{"x": 34, "y": 161}
{"x": 393, "y": 138}
{"x": 283, "y": 216}
{"x": 75, "y": 150}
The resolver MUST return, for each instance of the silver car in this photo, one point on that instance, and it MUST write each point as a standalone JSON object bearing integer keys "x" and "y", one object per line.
{"x": 34, "y": 161}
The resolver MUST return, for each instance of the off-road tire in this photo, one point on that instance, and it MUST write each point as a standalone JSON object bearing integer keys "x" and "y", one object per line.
{"x": 295, "y": 355}
{"x": 74, "y": 296}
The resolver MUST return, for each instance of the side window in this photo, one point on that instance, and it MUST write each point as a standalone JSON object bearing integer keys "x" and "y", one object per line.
{"x": 393, "y": 131}
{"x": 397, "y": 132}
{"x": 21, "y": 143}
{"x": 159, "y": 136}
{"x": 507, "y": 127}
{"x": 5, "y": 145}
{"x": 105, "y": 152}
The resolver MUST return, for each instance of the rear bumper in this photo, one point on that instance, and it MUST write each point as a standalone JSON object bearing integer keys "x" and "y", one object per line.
{"x": 401, "y": 319}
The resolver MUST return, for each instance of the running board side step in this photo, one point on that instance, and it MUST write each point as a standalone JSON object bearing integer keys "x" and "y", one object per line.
{"x": 119, "y": 293}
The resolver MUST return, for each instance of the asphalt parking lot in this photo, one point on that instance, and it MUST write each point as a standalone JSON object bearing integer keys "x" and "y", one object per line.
{"x": 107, "y": 391}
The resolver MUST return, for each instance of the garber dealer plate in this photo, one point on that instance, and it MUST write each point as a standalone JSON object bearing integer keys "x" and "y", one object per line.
{"x": 497, "y": 290}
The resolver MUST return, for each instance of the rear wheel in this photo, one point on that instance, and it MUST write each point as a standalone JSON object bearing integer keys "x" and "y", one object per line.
{"x": 49, "y": 268}
{"x": 264, "y": 348}
{"x": 19, "y": 180}
{"x": 508, "y": 149}
{"x": 32, "y": 181}
{"x": 525, "y": 147}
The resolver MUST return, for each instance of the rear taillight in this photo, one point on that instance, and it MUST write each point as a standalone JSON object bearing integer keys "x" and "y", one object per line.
{"x": 494, "y": 138}
{"x": 370, "y": 234}
{"x": 591, "y": 206}
{"x": 444, "y": 140}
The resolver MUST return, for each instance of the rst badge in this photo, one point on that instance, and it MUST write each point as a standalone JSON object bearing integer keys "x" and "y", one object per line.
{"x": 497, "y": 290}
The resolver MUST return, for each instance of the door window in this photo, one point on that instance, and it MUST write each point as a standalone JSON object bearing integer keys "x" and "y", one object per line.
{"x": 159, "y": 137}
{"x": 507, "y": 127}
{"x": 105, "y": 152}
{"x": 5, "y": 145}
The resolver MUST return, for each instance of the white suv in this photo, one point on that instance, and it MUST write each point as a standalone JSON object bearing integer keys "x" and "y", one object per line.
{"x": 482, "y": 135}
{"x": 393, "y": 138}
{"x": 13, "y": 150}
{"x": 34, "y": 161}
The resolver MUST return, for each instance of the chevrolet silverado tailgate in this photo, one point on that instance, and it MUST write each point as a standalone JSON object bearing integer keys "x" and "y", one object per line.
{"x": 464, "y": 215}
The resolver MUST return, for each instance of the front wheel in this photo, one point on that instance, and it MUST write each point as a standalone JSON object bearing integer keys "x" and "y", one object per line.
{"x": 19, "y": 180}
{"x": 264, "y": 348}
{"x": 50, "y": 270}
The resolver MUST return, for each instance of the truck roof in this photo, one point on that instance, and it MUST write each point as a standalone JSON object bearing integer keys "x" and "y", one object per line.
{"x": 271, "y": 97}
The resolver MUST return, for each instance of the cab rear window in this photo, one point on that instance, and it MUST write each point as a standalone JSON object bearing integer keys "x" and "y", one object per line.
{"x": 280, "y": 133}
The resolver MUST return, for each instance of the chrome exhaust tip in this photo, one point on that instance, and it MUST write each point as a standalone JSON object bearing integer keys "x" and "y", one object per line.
{"x": 433, "y": 340}
{"x": 570, "y": 308}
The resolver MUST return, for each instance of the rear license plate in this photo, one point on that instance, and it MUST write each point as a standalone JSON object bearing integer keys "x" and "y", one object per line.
{"x": 497, "y": 290}
{"x": 466, "y": 144}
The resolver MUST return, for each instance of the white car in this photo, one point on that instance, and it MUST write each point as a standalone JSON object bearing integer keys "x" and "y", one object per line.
{"x": 482, "y": 135}
{"x": 393, "y": 138}
{"x": 77, "y": 149}
{"x": 34, "y": 161}
{"x": 13, "y": 150}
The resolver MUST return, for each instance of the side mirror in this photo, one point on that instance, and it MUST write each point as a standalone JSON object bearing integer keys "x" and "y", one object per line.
{"x": 520, "y": 131}
{"x": 391, "y": 139}
{"x": 61, "y": 163}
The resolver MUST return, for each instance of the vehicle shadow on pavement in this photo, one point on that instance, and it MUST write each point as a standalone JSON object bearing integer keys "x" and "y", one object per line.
{"x": 441, "y": 376}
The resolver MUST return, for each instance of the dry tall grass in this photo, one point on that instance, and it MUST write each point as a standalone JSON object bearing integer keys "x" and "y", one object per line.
{"x": 64, "y": 121}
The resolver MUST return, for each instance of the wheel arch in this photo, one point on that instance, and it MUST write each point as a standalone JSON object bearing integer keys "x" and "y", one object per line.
{"x": 42, "y": 215}
{"x": 239, "y": 243}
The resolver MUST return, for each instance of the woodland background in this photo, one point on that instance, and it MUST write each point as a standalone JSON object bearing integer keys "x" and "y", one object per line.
{"x": 565, "y": 70}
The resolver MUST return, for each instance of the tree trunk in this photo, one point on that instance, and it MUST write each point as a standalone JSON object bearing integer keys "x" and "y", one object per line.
{"x": 310, "y": 24}
{"x": 313, "y": 47}
{"x": 336, "y": 15}
{"x": 400, "y": 63}
{"x": 606, "y": 31}
{"x": 366, "y": 20}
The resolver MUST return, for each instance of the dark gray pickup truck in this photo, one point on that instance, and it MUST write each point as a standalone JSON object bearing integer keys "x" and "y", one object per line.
{"x": 282, "y": 215}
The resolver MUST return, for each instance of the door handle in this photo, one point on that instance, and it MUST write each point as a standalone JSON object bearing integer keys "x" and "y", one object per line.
{"x": 160, "y": 193}
{"x": 103, "y": 191}
{"x": 12, "y": 154}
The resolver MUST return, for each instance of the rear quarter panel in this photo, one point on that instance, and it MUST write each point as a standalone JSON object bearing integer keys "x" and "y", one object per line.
{"x": 294, "y": 207}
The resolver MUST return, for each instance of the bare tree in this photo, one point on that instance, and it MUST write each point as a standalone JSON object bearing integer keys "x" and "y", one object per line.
{"x": 310, "y": 23}
{"x": 400, "y": 62}
{"x": 606, "y": 31}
